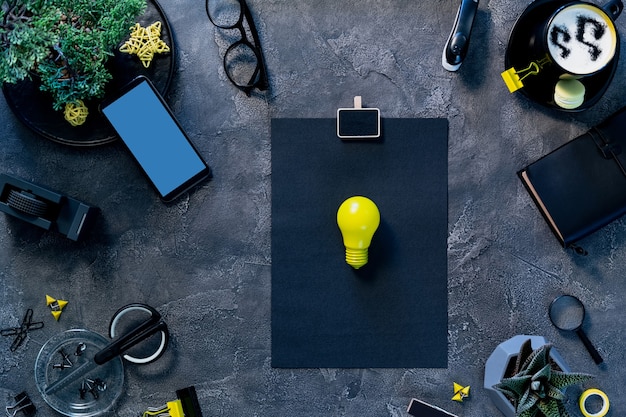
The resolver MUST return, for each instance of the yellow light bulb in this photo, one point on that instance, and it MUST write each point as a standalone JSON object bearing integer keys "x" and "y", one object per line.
{"x": 357, "y": 218}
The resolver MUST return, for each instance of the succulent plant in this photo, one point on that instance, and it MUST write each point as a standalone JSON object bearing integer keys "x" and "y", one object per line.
{"x": 537, "y": 387}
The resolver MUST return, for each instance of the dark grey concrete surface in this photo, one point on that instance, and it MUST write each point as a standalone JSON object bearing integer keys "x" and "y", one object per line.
{"x": 205, "y": 261}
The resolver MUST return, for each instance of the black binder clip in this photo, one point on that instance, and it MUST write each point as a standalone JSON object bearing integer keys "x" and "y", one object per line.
{"x": 186, "y": 405}
{"x": 44, "y": 208}
{"x": 22, "y": 404}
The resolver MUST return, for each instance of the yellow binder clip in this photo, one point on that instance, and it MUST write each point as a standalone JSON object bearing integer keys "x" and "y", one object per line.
{"x": 186, "y": 405}
{"x": 172, "y": 409}
{"x": 460, "y": 392}
{"x": 513, "y": 78}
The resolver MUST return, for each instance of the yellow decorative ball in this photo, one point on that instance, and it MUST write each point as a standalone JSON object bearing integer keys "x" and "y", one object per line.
{"x": 76, "y": 113}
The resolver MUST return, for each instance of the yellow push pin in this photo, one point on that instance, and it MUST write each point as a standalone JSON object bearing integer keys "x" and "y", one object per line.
{"x": 460, "y": 392}
{"x": 56, "y": 306}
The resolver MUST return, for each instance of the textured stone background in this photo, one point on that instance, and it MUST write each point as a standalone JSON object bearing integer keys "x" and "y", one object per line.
{"x": 204, "y": 262}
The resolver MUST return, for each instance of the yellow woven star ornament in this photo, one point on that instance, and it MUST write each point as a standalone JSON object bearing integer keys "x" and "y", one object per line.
{"x": 145, "y": 42}
{"x": 76, "y": 113}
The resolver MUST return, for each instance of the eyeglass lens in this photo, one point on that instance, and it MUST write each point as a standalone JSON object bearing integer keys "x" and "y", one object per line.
{"x": 242, "y": 60}
{"x": 225, "y": 14}
{"x": 242, "y": 64}
{"x": 567, "y": 313}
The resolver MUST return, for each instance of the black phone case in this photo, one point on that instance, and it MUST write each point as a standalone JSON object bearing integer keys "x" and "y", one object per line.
{"x": 191, "y": 182}
{"x": 419, "y": 408}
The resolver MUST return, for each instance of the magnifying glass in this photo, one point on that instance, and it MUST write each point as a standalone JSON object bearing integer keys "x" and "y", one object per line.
{"x": 568, "y": 313}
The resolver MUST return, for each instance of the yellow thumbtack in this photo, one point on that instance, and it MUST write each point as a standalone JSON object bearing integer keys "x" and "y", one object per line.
{"x": 460, "y": 392}
{"x": 56, "y": 306}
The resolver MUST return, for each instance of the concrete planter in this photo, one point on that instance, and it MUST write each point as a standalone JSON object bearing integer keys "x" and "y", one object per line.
{"x": 496, "y": 366}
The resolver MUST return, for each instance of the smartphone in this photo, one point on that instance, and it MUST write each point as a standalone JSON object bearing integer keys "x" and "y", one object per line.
{"x": 148, "y": 128}
{"x": 419, "y": 408}
{"x": 358, "y": 123}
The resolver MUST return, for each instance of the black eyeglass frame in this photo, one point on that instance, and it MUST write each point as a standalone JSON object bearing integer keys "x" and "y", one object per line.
{"x": 262, "y": 83}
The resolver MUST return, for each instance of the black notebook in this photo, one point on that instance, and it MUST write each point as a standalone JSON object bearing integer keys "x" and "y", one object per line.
{"x": 581, "y": 186}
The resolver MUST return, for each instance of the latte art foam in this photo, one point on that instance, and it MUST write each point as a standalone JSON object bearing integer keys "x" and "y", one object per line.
{"x": 581, "y": 39}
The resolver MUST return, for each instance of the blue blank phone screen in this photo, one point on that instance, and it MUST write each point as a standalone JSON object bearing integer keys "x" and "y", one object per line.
{"x": 154, "y": 138}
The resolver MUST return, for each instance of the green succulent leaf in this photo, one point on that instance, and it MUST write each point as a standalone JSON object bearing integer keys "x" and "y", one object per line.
{"x": 528, "y": 400}
{"x": 525, "y": 351}
{"x": 552, "y": 409}
{"x": 562, "y": 380}
{"x": 515, "y": 386}
{"x": 555, "y": 393}
{"x": 538, "y": 359}
{"x": 529, "y": 413}
{"x": 543, "y": 375}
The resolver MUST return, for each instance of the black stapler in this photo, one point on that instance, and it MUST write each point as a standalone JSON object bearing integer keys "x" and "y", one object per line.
{"x": 458, "y": 42}
{"x": 44, "y": 208}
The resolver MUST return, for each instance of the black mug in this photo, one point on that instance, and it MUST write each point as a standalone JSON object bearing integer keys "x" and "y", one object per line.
{"x": 580, "y": 38}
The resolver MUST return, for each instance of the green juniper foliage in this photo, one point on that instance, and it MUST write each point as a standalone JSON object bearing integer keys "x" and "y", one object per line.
{"x": 65, "y": 43}
{"x": 537, "y": 385}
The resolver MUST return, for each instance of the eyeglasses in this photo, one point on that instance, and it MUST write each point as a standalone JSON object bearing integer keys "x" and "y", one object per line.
{"x": 243, "y": 60}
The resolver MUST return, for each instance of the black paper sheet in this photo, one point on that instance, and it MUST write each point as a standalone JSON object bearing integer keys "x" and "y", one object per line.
{"x": 391, "y": 313}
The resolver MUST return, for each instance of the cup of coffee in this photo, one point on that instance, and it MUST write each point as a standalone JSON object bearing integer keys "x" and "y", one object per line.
{"x": 581, "y": 38}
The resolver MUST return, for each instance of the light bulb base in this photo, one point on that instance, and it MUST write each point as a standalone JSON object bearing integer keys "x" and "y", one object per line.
{"x": 356, "y": 258}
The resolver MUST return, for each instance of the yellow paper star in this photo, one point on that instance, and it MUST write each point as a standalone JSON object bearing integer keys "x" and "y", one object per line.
{"x": 460, "y": 392}
{"x": 145, "y": 42}
{"x": 56, "y": 306}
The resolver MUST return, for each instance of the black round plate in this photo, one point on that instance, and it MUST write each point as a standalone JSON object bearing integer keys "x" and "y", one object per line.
{"x": 540, "y": 88}
{"x": 34, "y": 107}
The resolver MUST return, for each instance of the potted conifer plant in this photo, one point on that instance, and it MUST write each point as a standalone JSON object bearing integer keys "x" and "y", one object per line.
{"x": 64, "y": 44}
{"x": 534, "y": 380}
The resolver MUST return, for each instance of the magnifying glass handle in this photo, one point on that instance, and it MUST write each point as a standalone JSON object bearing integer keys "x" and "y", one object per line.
{"x": 590, "y": 348}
